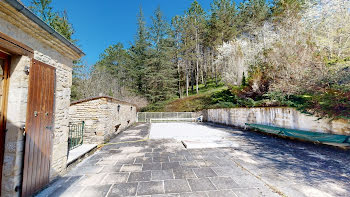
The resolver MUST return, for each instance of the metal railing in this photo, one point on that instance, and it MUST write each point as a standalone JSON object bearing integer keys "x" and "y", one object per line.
{"x": 76, "y": 135}
{"x": 147, "y": 116}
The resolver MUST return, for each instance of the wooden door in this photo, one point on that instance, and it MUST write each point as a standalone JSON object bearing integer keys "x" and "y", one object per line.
{"x": 4, "y": 75}
{"x": 39, "y": 127}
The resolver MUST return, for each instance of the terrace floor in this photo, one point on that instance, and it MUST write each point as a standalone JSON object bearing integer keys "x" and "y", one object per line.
{"x": 255, "y": 165}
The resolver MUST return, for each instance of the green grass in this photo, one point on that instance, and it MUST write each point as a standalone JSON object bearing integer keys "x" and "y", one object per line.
{"x": 332, "y": 103}
{"x": 202, "y": 89}
{"x": 194, "y": 102}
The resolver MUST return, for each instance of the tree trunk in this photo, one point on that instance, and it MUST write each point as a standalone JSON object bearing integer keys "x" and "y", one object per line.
{"x": 192, "y": 80}
{"x": 197, "y": 61}
{"x": 187, "y": 80}
{"x": 179, "y": 79}
{"x": 216, "y": 76}
{"x": 202, "y": 76}
{"x": 214, "y": 66}
{"x": 205, "y": 67}
{"x": 197, "y": 76}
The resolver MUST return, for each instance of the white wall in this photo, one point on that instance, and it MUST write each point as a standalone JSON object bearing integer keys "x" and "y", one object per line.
{"x": 278, "y": 116}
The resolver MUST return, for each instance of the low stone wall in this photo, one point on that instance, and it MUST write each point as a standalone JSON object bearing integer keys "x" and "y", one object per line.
{"x": 277, "y": 116}
{"x": 102, "y": 116}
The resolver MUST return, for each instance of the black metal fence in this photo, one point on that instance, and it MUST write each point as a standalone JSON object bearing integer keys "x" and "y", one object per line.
{"x": 76, "y": 135}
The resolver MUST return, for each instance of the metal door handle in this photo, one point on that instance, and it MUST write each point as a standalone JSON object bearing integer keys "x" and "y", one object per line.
{"x": 23, "y": 129}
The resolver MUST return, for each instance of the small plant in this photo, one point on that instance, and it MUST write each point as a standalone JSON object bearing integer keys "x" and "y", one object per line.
{"x": 244, "y": 81}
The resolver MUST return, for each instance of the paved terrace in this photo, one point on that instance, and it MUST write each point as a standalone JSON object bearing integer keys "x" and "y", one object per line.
{"x": 259, "y": 166}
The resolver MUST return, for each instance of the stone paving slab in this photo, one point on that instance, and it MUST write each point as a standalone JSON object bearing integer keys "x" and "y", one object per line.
{"x": 95, "y": 191}
{"x": 123, "y": 189}
{"x": 80, "y": 151}
{"x": 204, "y": 172}
{"x": 150, "y": 188}
{"x": 222, "y": 183}
{"x": 260, "y": 166}
{"x": 162, "y": 175}
{"x": 222, "y": 193}
{"x": 139, "y": 176}
{"x": 176, "y": 186}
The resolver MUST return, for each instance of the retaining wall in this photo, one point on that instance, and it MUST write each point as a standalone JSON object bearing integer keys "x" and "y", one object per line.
{"x": 102, "y": 116}
{"x": 277, "y": 116}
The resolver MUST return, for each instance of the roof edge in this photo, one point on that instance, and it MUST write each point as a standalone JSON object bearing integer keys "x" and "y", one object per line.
{"x": 26, "y": 12}
{"x": 100, "y": 97}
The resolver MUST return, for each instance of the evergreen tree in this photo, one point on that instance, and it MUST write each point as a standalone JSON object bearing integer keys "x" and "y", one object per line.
{"x": 224, "y": 16}
{"x": 221, "y": 27}
{"x": 195, "y": 25}
{"x": 286, "y": 8}
{"x": 62, "y": 25}
{"x": 58, "y": 21}
{"x": 115, "y": 60}
{"x": 160, "y": 75}
{"x": 244, "y": 81}
{"x": 43, "y": 9}
{"x": 177, "y": 30}
{"x": 252, "y": 13}
{"x": 139, "y": 55}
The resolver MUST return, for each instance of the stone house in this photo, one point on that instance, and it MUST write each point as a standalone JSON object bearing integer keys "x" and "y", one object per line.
{"x": 35, "y": 80}
{"x": 104, "y": 117}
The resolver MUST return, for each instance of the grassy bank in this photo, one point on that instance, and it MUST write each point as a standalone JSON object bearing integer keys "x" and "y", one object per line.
{"x": 193, "y": 102}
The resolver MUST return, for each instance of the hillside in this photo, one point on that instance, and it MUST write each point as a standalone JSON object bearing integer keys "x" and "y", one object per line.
{"x": 206, "y": 98}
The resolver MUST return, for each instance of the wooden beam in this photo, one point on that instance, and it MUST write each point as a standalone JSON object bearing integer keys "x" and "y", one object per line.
{"x": 3, "y": 114}
{"x": 12, "y": 46}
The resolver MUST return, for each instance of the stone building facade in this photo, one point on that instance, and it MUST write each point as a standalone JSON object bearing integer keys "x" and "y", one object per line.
{"x": 104, "y": 117}
{"x": 24, "y": 37}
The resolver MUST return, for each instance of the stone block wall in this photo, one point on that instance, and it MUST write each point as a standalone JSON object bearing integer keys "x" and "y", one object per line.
{"x": 17, "y": 107}
{"x": 277, "y": 116}
{"x": 101, "y": 116}
{"x": 16, "y": 119}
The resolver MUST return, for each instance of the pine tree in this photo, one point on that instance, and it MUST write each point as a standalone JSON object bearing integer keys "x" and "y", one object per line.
{"x": 195, "y": 19}
{"x": 43, "y": 9}
{"x": 160, "y": 74}
{"x": 57, "y": 20}
{"x": 244, "y": 81}
{"x": 221, "y": 27}
{"x": 177, "y": 30}
{"x": 62, "y": 25}
{"x": 115, "y": 60}
{"x": 139, "y": 55}
{"x": 224, "y": 15}
{"x": 286, "y": 8}
{"x": 252, "y": 13}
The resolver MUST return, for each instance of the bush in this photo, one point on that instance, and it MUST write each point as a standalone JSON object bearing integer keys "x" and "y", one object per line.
{"x": 331, "y": 103}
{"x": 223, "y": 96}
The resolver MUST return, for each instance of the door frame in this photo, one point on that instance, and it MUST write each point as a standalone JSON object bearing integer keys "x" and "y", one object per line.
{"x": 3, "y": 116}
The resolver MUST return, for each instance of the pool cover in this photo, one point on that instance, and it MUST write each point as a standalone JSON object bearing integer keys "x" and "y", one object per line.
{"x": 305, "y": 135}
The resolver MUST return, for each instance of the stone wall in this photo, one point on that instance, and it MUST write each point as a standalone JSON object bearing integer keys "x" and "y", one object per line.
{"x": 277, "y": 116}
{"x": 16, "y": 119}
{"x": 17, "y": 107}
{"x": 101, "y": 116}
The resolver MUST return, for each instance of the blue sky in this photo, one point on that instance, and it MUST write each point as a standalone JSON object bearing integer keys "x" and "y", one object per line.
{"x": 99, "y": 24}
